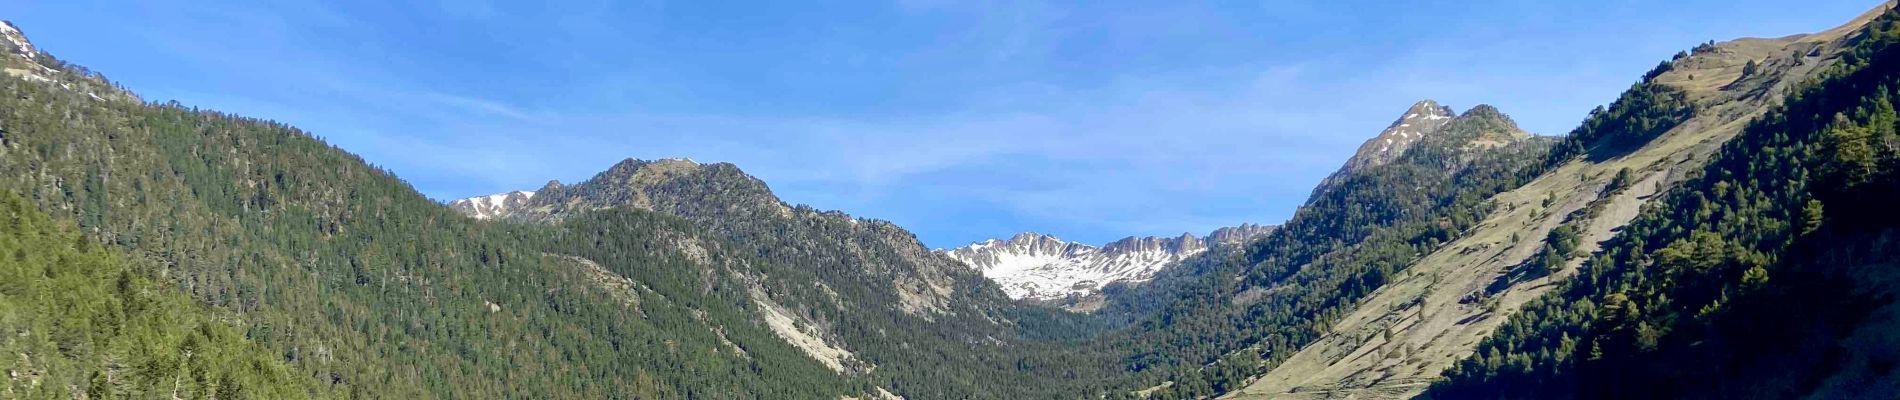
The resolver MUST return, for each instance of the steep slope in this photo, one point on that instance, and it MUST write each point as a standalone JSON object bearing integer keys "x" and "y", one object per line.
{"x": 842, "y": 285}
{"x": 1423, "y": 119}
{"x": 22, "y": 60}
{"x": 1768, "y": 273}
{"x": 708, "y": 287}
{"x": 1228, "y": 320}
{"x": 366, "y": 287}
{"x": 723, "y": 199}
{"x": 315, "y": 273}
{"x": 1044, "y": 268}
{"x": 1401, "y": 337}
{"x": 80, "y": 322}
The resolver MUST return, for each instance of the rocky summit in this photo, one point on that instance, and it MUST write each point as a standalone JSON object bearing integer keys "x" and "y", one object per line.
{"x": 1036, "y": 266}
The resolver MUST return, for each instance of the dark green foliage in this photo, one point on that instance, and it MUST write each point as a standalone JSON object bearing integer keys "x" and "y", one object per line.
{"x": 1559, "y": 246}
{"x": 308, "y": 272}
{"x": 1347, "y": 242}
{"x": 1757, "y": 278}
{"x": 75, "y": 318}
{"x": 826, "y": 266}
{"x": 1617, "y": 183}
{"x": 371, "y": 290}
{"x": 1642, "y": 113}
{"x": 367, "y": 287}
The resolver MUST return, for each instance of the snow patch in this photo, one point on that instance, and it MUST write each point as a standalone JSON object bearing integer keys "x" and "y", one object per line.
{"x": 492, "y": 206}
{"x": 1042, "y": 267}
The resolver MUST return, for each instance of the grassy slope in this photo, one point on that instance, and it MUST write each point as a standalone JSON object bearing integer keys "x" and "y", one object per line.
{"x": 1768, "y": 274}
{"x": 1433, "y": 328}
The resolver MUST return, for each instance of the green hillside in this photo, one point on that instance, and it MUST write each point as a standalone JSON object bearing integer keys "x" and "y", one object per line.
{"x": 365, "y": 286}
{"x": 1768, "y": 275}
{"x": 81, "y": 322}
{"x": 156, "y": 250}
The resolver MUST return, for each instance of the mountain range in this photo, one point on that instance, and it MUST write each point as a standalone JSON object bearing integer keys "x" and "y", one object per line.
{"x": 1721, "y": 229}
{"x": 492, "y": 206}
{"x": 1042, "y": 267}
{"x": 1028, "y": 266}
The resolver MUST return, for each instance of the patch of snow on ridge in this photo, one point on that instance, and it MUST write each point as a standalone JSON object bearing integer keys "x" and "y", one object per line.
{"x": 1041, "y": 267}
{"x": 492, "y": 206}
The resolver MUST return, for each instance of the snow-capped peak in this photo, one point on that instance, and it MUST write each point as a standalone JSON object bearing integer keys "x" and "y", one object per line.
{"x": 1042, "y": 267}
{"x": 491, "y": 206}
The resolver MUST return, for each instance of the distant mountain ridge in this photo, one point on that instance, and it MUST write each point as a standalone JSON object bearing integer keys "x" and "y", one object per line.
{"x": 1028, "y": 266}
{"x": 1708, "y": 235}
{"x": 494, "y": 205}
{"x": 1036, "y": 266}
{"x": 726, "y": 200}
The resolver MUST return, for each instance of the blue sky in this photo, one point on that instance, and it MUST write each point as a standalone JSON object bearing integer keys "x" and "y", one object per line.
{"x": 958, "y": 120}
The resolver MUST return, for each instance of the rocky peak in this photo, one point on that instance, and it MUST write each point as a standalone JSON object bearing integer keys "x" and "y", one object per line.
{"x": 645, "y": 172}
{"x": 1487, "y": 114}
{"x": 492, "y": 206}
{"x": 723, "y": 200}
{"x": 1185, "y": 244}
{"x": 1033, "y": 237}
{"x": 1483, "y": 111}
{"x": 1237, "y": 234}
{"x": 15, "y": 41}
{"x": 1029, "y": 243}
{"x": 1487, "y": 128}
{"x": 22, "y": 60}
{"x": 1423, "y": 118}
{"x": 677, "y": 186}
{"x": 1041, "y": 267}
{"x": 1428, "y": 119}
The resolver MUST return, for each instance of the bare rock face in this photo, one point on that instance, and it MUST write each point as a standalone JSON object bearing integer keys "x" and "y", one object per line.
{"x": 1235, "y": 235}
{"x": 1423, "y": 118}
{"x": 1034, "y": 266}
{"x": 14, "y": 42}
{"x": 19, "y": 58}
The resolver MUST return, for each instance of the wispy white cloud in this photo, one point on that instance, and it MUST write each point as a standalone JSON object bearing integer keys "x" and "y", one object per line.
{"x": 976, "y": 119}
{"x": 484, "y": 106}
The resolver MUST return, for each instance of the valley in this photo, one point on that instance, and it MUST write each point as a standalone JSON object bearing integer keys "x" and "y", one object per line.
{"x": 1716, "y": 231}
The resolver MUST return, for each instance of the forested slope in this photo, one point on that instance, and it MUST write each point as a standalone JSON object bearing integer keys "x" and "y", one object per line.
{"x": 1769, "y": 274}
{"x": 368, "y": 288}
{"x": 1251, "y": 311}
{"x": 1594, "y": 182}
{"x": 240, "y": 257}
{"x": 78, "y": 321}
